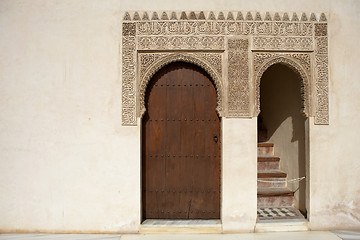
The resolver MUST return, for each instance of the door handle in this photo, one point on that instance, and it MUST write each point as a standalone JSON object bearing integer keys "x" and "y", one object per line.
{"x": 215, "y": 138}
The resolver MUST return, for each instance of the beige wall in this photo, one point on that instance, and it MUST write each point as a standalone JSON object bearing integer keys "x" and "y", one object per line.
{"x": 68, "y": 165}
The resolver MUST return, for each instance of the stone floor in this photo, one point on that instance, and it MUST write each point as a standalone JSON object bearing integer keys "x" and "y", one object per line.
{"x": 279, "y": 213}
{"x": 309, "y": 235}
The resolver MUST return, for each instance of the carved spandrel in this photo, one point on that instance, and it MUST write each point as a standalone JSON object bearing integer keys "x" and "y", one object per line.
{"x": 300, "y": 62}
{"x": 152, "y": 62}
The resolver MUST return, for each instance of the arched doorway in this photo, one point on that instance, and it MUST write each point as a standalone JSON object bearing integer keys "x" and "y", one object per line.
{"x": 281, "y": 126}
{"x": 181, "y": 145}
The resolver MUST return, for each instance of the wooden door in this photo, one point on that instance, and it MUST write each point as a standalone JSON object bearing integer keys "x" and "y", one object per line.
{"x": 181, "y": 160}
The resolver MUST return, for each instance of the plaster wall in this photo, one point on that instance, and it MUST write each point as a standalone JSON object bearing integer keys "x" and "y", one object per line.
{"x": 67, "y": 164}
{"x": 239, "y": 173}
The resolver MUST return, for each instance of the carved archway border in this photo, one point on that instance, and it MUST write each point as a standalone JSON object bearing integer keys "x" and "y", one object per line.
{"x": 300, "y": 71}
{"x": 203, "y": 60}
{"x": 266, "y": 33}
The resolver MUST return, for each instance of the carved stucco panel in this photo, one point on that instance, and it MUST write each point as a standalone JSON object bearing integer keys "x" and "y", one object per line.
{"x": 202, "y": 38}
{"x": 238, "y": 78}
{"x": 150, "y": 63}
{"x": 321, "y": 75}
{"x": 224, "y": 28}
{"x": 283, "y": 43}
{"x": 300, "y": 62}
{"x": 128, "y": 80}
{"x": 180, "y": 42}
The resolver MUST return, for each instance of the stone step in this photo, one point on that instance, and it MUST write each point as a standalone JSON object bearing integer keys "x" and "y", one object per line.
{"x": 268, "y": 163}
{"x": 271, "y": 183}
{"x": 271, "y": 174}
{"x": 265, "y": 149}
{"x": 287, "y": 225}
{"x": 275, "y": 197}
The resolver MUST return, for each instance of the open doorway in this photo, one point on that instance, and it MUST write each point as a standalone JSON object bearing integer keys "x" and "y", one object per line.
{"x": 281, "y": 145}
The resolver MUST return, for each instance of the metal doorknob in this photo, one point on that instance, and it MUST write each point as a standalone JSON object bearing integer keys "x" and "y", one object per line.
{"x": 216, "y": 138}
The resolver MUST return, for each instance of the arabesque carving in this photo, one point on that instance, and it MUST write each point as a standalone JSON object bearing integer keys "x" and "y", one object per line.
{"x": 299, "y": 62}
{"x": 150, "y": 63}
{"x": 226, "y": 40}
{"x": 238, "y": 78}
{"x": 322, "y": 81}
{"x": 283, "y": 43}
{"x": 181, "y": 42}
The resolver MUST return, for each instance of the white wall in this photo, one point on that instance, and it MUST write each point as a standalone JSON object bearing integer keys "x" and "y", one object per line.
{"x": 239, "y": 173}
{"x": 334, "y": 161}
{"x": 67, "y": 164}
{"x": 62, "y": 161}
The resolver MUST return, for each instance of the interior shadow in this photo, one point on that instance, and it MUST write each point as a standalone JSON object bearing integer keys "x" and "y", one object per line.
{"x": 281, "y": 121}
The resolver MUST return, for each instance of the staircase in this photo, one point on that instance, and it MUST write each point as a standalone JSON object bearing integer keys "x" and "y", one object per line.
{"x": 272, "y": 193}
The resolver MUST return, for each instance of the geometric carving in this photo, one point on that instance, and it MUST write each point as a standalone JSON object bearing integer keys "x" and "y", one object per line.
{"x": 230, "y": 16}
{"x": 136, "y": 16}
{"x": 304, "y": 17}
{"x": 155, "y": 16}
{"x": 320, "y": 29}
{"x": 164, "y": 16}
{"x": 150, "y": 63}
{"x": 173, "y": 16}
{"x": 204, "y": 39}
{"x": 295, "y": 17}
{"x": 238, "y": 78}
{"x": 313, "y": 17}
{"x": 129, "y": 29}
{"x": 183, "y": 16}
{"x": 249, "y": 16}
{"x": 181, "y": 42}
{"x": 192, "y": 15}
{"x": 267, "y": 16}
{"x": 322, "y": 18}
{"x": 286, "y": 17}
{"x": 283, "y": 43}
{"x": 129, "y": 80}
{"x": 239, "y": 16}
{"x": 321, "y": 45}
{"x": 321, "y": 75}
{"x": 277, "y": 17}
{"x": 263, "y": 28}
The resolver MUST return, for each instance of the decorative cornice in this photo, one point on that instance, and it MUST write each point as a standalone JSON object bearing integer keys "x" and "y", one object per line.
{"x": 224, "y": 16}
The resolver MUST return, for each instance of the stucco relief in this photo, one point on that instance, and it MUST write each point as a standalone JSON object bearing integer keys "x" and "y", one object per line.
{"x": 238, "y": 78}
{"x": 181, "y": 42}
{"x": 150, "y": 63}
{"x": 283, "y": 43}
{"x": 300, "y": 62}
{"x": 321, "y": 76}
{"x": 300, "y": 41}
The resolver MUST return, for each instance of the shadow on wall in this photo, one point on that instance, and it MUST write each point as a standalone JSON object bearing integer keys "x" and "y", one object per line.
{"x": 282, "y": 116}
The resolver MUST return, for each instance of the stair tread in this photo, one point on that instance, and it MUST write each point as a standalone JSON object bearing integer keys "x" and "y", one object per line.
{"x": 268, "y": 159}
{"x": 274, "y": 192}
{"x": 271, "y": 174}
{"x": 265, "y": 145}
